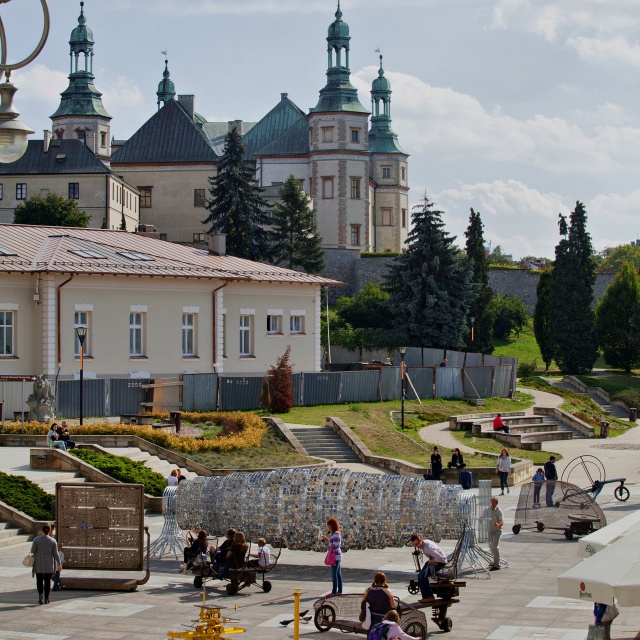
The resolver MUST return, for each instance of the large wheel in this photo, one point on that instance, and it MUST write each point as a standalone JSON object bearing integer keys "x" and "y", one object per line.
{"x": 540, "y": 526}
{"x": 447, "y": 625}
{"x": 266, "y": 586}
{"x": 621, "y": 493}
{"x": 416, "y": 629}
{"x": 232, "y": 589}
{"x": 197, "y": 582}
{"x": 568, "y": 534}
{"x": 324, "y": 618}
{"x": 516, "y": 528}
{"x": 413, "y": 587}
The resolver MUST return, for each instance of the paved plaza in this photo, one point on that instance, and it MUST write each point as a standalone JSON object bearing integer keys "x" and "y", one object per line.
{"x": 517, "y": 603}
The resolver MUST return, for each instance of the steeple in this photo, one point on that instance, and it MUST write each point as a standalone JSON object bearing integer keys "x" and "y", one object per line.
{"x": 166, "y": 89}
{"x": 81, "y": 113}
{"x": 382, "y": 139}
{"x": 339, "y": 94}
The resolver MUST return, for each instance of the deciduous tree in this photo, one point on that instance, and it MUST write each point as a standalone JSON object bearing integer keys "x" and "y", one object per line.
{"x": 53, "y": 209}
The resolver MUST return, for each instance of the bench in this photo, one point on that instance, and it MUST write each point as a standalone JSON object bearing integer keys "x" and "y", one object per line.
{"x": 136, "y": 418}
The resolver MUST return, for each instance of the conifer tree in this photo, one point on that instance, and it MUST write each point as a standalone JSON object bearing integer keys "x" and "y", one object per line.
{"x": 430, "y": 284}
{"x": 541, "y": 320}
{"x": 618, "y": 320}
{"x": 294, "y": 238}
{"x": 481, "y": 309}
{"x": 123, "y": 223}
{"x": 236, "y": 207}
{"x": 571, "y": 314}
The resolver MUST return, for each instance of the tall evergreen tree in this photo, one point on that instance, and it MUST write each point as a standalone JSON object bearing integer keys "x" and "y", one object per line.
{"x": 481, "y": 309}
{"x": 294, "y": 238}
{"x": 571, "y": 312}
{"x": 236, "y": 207}
{"x": 541, "y": 321}
{"x": 618, "y": 320}
{"x": 430, "y": 285}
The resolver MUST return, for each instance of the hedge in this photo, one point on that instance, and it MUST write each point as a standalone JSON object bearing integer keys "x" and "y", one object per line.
{"x": 26, "y": 496}
{"x": 251, "y": 430}
{"x": 124, "y": 469}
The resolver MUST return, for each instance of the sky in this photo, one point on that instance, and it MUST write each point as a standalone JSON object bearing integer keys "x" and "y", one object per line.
{"x": 517, "y": 108}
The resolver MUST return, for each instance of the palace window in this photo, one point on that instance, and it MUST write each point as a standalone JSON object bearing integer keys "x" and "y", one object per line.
{"x": 327, "y": 187}
{"x": 355, "y": 188}
{"x": 135, "y": 334}
{"x": 21, "y": 191}
{"x": 7, "y": 324}
{"x": 74, "y": 190}
{"x": 145, "y": 197}
{"x": 404, "y": 218}
{"x": 245, "y": 335}
{"x": 296, "y": 324}
{"x": 274, "y": 324}
{"x": 188, "y": 334}
{"x": 81, "y": 319}
{"x": 199, "y": 199}
{"x": 386, "y": 172}
{"x": 355, "y": 235}
{"x": 355, "y": 135}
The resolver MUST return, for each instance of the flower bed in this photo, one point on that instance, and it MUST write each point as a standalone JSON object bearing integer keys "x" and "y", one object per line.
{"x": 26, "y": 496}
{"x": 250, "y": 431}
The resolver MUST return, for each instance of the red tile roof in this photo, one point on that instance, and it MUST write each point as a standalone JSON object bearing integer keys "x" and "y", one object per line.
{"x": 54, "y": 250}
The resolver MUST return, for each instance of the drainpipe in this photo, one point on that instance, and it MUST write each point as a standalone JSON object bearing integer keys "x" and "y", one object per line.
{"x": 107, "y": 203}
{"x": 214, "y": 297}
{"x": 58, "y": 328}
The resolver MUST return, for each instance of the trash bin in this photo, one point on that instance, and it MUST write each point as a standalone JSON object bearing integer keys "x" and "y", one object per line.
{"x": 633, "y": 414}
{"x": 175, "y": 417}
{"x": 604, "y": 429}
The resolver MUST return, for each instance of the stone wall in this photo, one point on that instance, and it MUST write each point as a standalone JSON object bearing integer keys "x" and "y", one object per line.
{"x": 356, "y": 272}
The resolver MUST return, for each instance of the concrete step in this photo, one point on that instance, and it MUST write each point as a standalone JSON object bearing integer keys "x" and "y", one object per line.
{"x": 547, "y": 436}
{"x": 161, "y": 466}
{"x": 324, "y": 442}
{"x": 16, "y": 539}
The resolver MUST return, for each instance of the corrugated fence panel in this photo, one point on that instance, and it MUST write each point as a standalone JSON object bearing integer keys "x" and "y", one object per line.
{"x": 508, "y": 360}
{"x": 476, "y": 382}
{"x": 422, "y": 380}
{"x": 320, "y": 388}
{"x": 296, "y": 380}
{"x": 432, "y": 356}
{"x": 491, "y": 361}
{"x": 390, "y": 383}
{"x": 125, "y": 395}
{"x": 473, "y": 360}
{"x": 448, "y": 382}
{"x": 93, "y": 399}
{"x": 455, "y": 358}
{"x": 501, "y": 381}
{"x": 359, "y": 386}
{"x": 240, "y": 393}
{"x": 199, "y": 392}
{"x": 11, "y": 394}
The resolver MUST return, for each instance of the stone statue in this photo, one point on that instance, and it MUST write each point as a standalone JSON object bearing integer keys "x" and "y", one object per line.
{"x": 42, "y": 401}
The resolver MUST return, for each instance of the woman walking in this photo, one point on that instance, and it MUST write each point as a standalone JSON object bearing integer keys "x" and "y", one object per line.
{"x": 335, "y": 540}
{"x": 46, "y": 563}
{"x": 504, "y": 469}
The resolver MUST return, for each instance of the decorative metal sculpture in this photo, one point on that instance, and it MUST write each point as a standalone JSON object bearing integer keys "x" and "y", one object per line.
{"x": 209, "y": 625}
{"x": 290, "y": 507}
{"x": 171, "y": 538}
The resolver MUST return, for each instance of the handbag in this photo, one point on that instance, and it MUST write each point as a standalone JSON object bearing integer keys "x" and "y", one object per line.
{"x": 29, "y": 560}
{"x": 330, "y": 558}
{"x": 597, "y": 632}
{"x": 366, "y": 622}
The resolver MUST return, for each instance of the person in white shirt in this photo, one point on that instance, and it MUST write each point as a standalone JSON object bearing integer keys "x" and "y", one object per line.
{"x": 173, "y": 478}
{"x": 436, "y": 559}
{"x": 52, "y": 438}
{"x": 263, "y": 556}
{"x": 392, "y": 620}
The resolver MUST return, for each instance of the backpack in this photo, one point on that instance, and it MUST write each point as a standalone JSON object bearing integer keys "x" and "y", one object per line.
{"x": 378, "y": 632}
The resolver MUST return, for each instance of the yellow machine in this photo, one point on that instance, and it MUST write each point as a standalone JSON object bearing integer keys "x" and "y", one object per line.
{"x": 209, "y": 626}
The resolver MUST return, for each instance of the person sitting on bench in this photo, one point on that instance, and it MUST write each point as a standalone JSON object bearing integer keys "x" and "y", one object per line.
{"x": 236, "y": 555}
{"x": 263, "y": 556}
{"x": 499, "y": 425}
{"x": 457, "y": 462}
{"x": 199, "y": 546}
{"x": 436, "y": 559}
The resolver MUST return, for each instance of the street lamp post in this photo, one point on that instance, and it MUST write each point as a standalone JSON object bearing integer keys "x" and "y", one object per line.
{"x": 473, "y": 321}
{"x": 81, "y": 332}
{"x": 403, "y": 392}
{"x": 13, "y": 133}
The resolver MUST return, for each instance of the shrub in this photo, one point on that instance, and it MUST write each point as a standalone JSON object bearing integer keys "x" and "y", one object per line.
{"x": 527, "y": 369}
{"x": 277, "y": 391}
{"x": 28, "y": 497}
{"x": 631, "y": 397}
{"x": 252, "y": 430}
{"x": 124, "y": 469}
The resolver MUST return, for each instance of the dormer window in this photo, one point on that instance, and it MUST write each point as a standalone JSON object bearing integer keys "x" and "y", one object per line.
{"x": 132, "y": 255}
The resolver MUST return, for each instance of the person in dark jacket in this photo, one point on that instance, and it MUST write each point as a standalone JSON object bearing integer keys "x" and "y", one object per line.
{"x": 236, "y": 556}
{"x": 379, "y": 598}
{"x": 198, "y": 546}
{"x": 457, "y": 462}
{"x": 551, "y": 476}
{"x": 436, "y": 464}
{"x": 220, "y": 555}
{"x": 46, "y": 563}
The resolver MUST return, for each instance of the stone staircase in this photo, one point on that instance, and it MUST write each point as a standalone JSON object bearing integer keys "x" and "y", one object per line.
{"x": 324, "y": 442}
{"x": 10, "y": 535}
{"x": 614, "y": 410}
{"x": 160, "y": 465}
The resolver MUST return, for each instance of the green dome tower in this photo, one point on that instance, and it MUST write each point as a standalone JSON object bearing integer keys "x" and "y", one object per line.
{"x": 166, "y": 89}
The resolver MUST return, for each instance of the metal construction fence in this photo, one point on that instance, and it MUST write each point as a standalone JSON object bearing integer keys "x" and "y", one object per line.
{"x": 478, "y": 377}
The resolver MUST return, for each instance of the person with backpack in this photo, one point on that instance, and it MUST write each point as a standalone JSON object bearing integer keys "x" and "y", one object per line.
{"x": 389, "y": 629}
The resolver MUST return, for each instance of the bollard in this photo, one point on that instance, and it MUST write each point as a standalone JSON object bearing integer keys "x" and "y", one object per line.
{"x": 175, "y": 417}
{"x": 604, "y": 429}
{"x": 296, "y": 613}
{"x": 633, "y": 414}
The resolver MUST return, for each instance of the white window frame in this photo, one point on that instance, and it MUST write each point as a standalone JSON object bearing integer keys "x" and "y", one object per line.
{"x": 386, "y": 173}
{"x": 245, "y": 335}
{"x": 8, "y": 329}
{"x": 297, "y": 321}
{"x": 136, "y": 334}
{"x": 189, "y": 346}
{"x": 274, "y": 322}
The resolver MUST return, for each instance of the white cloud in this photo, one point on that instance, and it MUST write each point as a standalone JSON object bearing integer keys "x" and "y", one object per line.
{"x": 549, "y": 18}
{"x": 121, "y": 91}
{"x": 615, "y": 49}
{"x": 39, "y": 84}
{"x": 448, "y": 122}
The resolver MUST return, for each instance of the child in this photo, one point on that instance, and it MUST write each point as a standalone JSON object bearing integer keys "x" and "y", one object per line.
{"x": 394, "y": 631}
{"x": 263, "y": 556}
{"x": 56, "y": 577}
{"x": 538, "y": 479}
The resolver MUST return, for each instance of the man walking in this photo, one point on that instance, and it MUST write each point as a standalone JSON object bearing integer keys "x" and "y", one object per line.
{"x": 435, "y": 560}
{"x": 495, "y": 531}
{"x": 551, "y": 475}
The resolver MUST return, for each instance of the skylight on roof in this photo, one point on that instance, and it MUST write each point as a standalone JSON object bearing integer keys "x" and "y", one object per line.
{"x": 7, "y": 252}
{"x": 86, "y": 253}
{"x": 132, "y": 255}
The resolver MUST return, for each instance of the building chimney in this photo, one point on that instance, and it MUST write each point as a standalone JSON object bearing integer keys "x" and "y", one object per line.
{"x": 47, "y": 140}
{"x": 217, "y": 244}
{"x": 147, "y": 230}
{"x": 188, "y": 102}
{"x": 284, "y": 96}
{"x": 238, "y": 125}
